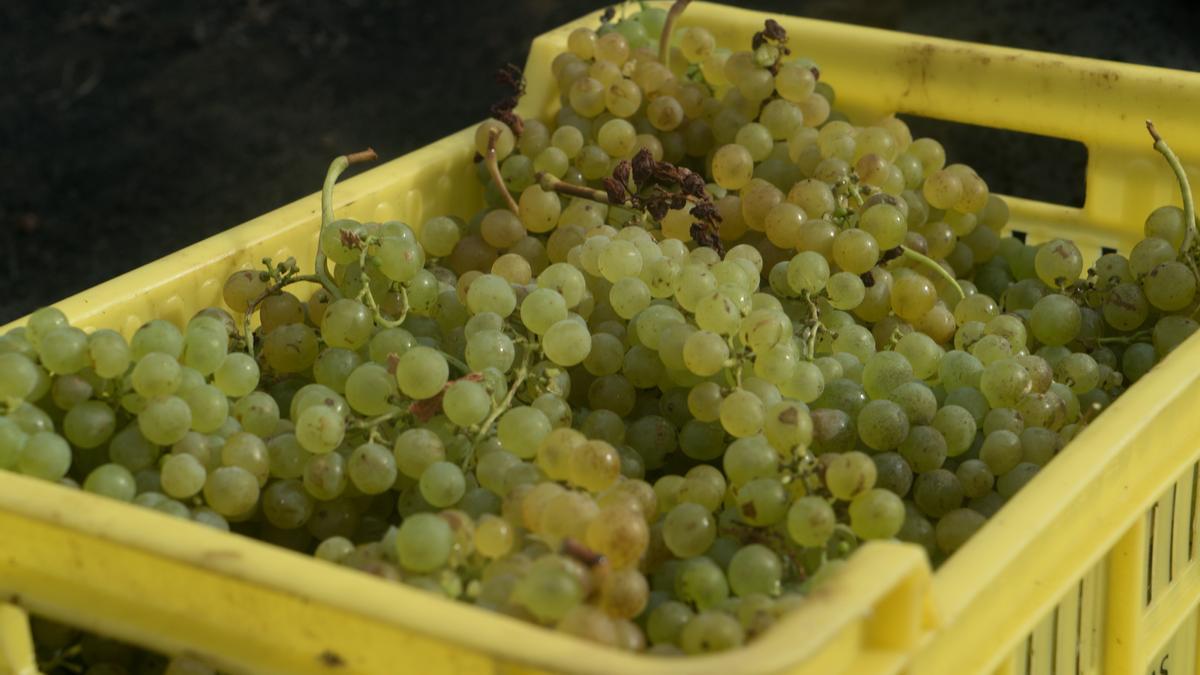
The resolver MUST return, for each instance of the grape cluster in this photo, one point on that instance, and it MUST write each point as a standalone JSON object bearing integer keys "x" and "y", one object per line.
{"x": 585, "y": 408}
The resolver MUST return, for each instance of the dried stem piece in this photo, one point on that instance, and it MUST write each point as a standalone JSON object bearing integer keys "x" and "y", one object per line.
{"x": 493, "y": 167}
{"x": 664, "y": 41}
{"x": 1189, "y": 207}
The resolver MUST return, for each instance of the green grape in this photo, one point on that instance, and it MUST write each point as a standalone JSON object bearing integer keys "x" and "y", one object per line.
{"x": 237, "y": 376}
{"x": 157, "y": 336}
{"x": 705, "y": 353}
{"x": 422, "y": 372}
{"x": 1167, "y": 222}
{"x": 912, "y": 296}
{"x": 466, "y": 403}
{"x": 108, "y": 353}
{"x": 369, "y": 389}
{"x": 63, "y": 350}
{"x": 876, "y": 514}
{"x": 1015, "y": 479}
{"x": 741, "y": 414}
{"x": 347, "y": 323}
{"x": 183, "y": 476}
{"x": 1137, "y": 360}
{"x": 384, "y": 344}
{"x": 956, "y": 527}
{"x": 923, "y": 354}
{"x": 424, "y": 542}
{"x": 1148, "y": 254}
{"x": 291, "y": 348}
{"x": 718, "y": 314}
{"x": 1055, "y": 320}
{"x": 711, "y": 631}
{"x": 665, "y": 622}
{"x": 248, "y": 452}
{"x": 855, "y": 251}
{"x": 846, "y": 291}
{"x": 757, "y": 569}
{"x": 320, "y": 429}
{"x": 522, "y": 429}
{"x": 1001, "y": 451}
{"x": 325, "y": 476}
{"x": 917, "y": 401}
{"x": 976, "y": 478}
{"x": 440, "y": 234}
{"x": 787, "y": 426}
{"x": 209, "y": 408}
{"x": 12, "y": 439}
{"x": 206, "y": 342}
{"x": 810, "y": 521}
{"x": 762, "y": 501}
{"x": 1171, "y": 331}
{"x": 882, "y": 425}
{"x": 257, "y": 412}
{"x": 892, "y": 472}
{"x": 287, "y": 506}
{"x": 732, "y": 166}
{"x": 883, "y": 372}
{"x": 165, "y": 420}
{"x": 18, "y": 376}
{"x": 111, "y": 480}
{"x": 808, "y": 272}
{"x": 442, "y": 484}
{"x": 42, "y": 321}
{"x": 701, "y": 582}
{"x": 231, "y": 491}
{"x": 1170, "y": 286}
{"x": 567, "y": 343}
{"x": 937, "y": 493}
{"x": 156, "y": 374}
{"x": 45, "y": 455}
{"x": 1058, "y": 263}
{"x": 806, "y": 382}
{"x": 1004, "y": 382}
{"x": 689, "y": 529}
{"x": 991, "y": 348}
{"x": 925, "y": 449}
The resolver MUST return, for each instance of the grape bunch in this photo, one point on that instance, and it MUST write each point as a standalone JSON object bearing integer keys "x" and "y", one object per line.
{"x": 706, "y": 337}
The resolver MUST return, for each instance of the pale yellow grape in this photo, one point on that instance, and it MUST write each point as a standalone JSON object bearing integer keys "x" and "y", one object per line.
{"x": 581, "y": 42}
{"x": 504, "y": 143}
{"x": 586, "y": 96}
{"x": 942, "y": 189}
{"x": 540, "y": 209}
{"x": 617, "y": 137}
{"x": 732, "y": 166}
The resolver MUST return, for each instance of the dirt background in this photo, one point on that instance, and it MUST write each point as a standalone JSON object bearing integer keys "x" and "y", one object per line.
{"x": 130, "y": 129}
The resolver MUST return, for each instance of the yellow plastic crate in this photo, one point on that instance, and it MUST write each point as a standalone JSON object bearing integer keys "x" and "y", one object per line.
{"x": 1092, "y": 568}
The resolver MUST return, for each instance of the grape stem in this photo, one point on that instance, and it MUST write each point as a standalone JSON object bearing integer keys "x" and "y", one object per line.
{"x": 336, "y": 167}
{"x": 1126, "y": 339}
{"x": 493, "y": 168}
{"x": 518, "y": 379}
{"x": 1189, "y": 207}
{"x": 550, "y": 182}
{"x": 664, "y": 40}
{"x": 367, "y": 297}
{"x": 931, "y": 264}
{"x": 285, "y": 281}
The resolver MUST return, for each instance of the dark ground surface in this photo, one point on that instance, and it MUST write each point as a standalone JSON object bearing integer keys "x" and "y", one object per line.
{"x": 131, "y": 129}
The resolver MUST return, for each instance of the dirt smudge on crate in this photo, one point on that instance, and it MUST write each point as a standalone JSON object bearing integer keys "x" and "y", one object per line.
{"x": 919, "y": 58}
{"x": 331, "y": 659}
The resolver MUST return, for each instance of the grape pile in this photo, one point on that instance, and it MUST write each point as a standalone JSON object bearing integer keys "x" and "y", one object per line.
{"x": 707, "y": 336}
